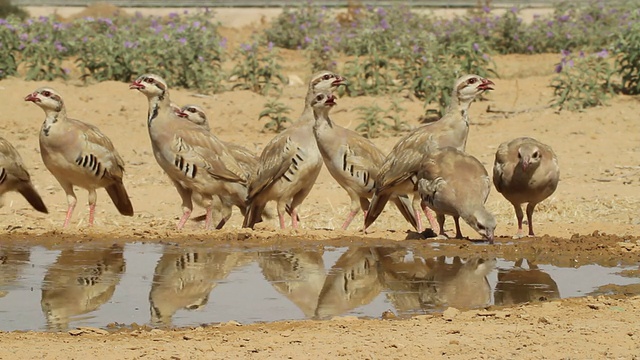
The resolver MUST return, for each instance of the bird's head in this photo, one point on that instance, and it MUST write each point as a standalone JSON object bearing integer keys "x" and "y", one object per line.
{"x": 325, "y": 81}
{"x": 149, "y": 84}
{"x": 323, "y": 100}
{"x": 195, "y": 114}
{"x": 46, "y": 98}
{"x": 484, "y": 223}
{"x": 529, "y": 156}
{"x": 467, "y": 87}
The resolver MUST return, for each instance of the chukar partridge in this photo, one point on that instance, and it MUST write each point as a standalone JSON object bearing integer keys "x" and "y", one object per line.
{"x": 196, "y": 161}
{"x": 457, "y": 184}
{"x": 291, "y": 162}
{"x": 397, "y": 174}
{"x": 245, "y": 158}
{"x": 15, "y": 177}
{"x": 352, "y": 160}
{"x": 78, "y": 154}
{"x": 525, "y": 171}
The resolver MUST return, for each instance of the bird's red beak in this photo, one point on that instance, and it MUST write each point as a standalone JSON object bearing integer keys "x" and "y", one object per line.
{"x": 486, "y": 84}
{"x": 136, "y": 85}
{"x": 181, "y": 114}
{"x": 32, "y": 97}
{"x": 339, "y": 81}
{"x": 525, "y": 164}
{"x": 331, "y": 101}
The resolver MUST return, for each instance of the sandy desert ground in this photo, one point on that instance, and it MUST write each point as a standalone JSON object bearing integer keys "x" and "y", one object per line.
{"x": 592, "y": 218}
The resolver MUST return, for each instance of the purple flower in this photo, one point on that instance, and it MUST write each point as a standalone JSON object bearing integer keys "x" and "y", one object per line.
{"x": 166, "y": 37}
{"x": 85, "y": 39}
{"x": 182, "y": 40}
{"x": 59, "y": 46}
{"x": 307, "y": 39}
{"x": 549, "y": 34}
{"x": 223, "y": 42}
{"x": 35, "y": 40}
{"x": 486, "y": 9}
{"x": 66, "y": 70}
{"x": 602, "y": 54}
{"x": 129, "y": 45}
{"x": 200, "y": 59}
{"x": 563, "y": 18}
{"x": 476, "y": 47}
{"x": 514, "y": 10}
{"x": 196, "y": 24}
{"x": 384, "y": 24}
{"x": 270, "y": 46}
{"x": 173, "y": 15}
{"x": 24, "y": 36}
{"x": 530, "y": 48}
{"x": 558, "y": 68}
{"x": 246, "y": 47}
{"x": 382, "y": 11}
{"x": 181, "y": 28}
{"x": 581, "y": 54}
{"x": 565, "y": 53}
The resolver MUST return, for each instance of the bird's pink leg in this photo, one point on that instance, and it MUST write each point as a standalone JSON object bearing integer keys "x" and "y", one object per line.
{"x": 294, "y": 218}
{"x": 432, "y": 220}
{"x": 349, "y": 219}
{"x": 208, "y": 218}
{"x": 419, "y": 221}
{"x": 185, "y": 216}
{"x": 92, "y": 214}
{"x": 69, "y": 212}
{"x": 281, "y": 218}
{"x": 71, "y": 201}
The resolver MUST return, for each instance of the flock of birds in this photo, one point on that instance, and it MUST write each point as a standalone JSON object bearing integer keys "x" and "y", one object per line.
{"x": 429, "y": 163}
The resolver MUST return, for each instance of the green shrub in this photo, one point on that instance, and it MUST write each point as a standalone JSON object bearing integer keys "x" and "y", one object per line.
{"x": 628, "y": 59}
{"x": 583, "y": 81}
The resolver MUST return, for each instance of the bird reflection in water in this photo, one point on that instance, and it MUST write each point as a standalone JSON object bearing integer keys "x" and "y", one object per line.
{"x": 79, "y": 282}
{"x": 519, "y": 285}
{"x": 353, "y": 281}
{"x": 297, "y": 274}
{"x": 183, "y": 279}
{"x": 12, "y": 261}
{"x": 417, "y": 284}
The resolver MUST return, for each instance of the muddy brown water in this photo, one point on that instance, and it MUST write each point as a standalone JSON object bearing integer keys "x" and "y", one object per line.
{"x": 160, "y": 284}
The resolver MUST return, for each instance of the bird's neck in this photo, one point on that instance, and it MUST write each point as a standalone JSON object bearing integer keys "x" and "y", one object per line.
{"x": 322, "y": 119}
{"x": 459, "y": 106}
{"x": 53, "y": 116}
{"x": 157, "y": 105}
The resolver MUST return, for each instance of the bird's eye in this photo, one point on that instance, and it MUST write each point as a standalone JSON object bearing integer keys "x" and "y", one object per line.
{"x": 150, "y": 80}
{"x": 319, "y": 97}
{"x": 519, "y": 156}
{"x": 536, "y": 155}
{"x": 191, "y": 110}
{"x": 46, "y": 93}
{"x": 480, "y": 226}
{"x": 471, "y": 81}
{"x": 327, "y": 76}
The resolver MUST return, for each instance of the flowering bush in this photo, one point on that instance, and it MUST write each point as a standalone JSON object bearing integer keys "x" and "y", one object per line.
{"x": 257, "y": 69}
{"x": 185, "y": 49}
{"x": 628, "y": 59}
{"x": 583, "y": 81}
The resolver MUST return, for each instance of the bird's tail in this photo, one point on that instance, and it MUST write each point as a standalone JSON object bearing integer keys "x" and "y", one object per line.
{"x": 378, "y": 201}
{"x": 120, "y": 198}
{"x": 253, "y": 215}
{"x": 403, "y": 203}
{"x": 32, "y": 196}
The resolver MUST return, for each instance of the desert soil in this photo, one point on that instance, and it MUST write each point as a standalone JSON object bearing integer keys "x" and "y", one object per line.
{"x": 592, "y": 218}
